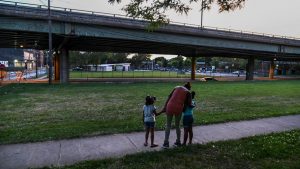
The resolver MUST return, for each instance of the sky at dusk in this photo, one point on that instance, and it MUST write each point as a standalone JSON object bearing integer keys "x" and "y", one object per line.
{"x": 279, "y": 17}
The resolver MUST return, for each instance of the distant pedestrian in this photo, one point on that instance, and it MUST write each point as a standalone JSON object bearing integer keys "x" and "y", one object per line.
{"x": 179, "y": 98}
{"x": 149, "y": 113}
{"x": 188, "y": 121}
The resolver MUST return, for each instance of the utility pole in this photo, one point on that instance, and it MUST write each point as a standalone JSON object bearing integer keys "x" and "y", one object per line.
{"x": 36, "y": 63}
{"x": 50, "y": 43}
{"x": 152, "y": 64}
{"x": 201, "y": 14}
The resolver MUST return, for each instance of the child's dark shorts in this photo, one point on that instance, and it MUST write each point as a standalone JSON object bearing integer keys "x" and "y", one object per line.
{"x": 187, "y": 121}
{"x": 149, "y": 124}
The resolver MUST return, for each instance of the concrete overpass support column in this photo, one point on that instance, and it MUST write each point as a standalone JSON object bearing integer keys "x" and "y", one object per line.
{"x": 56, "y": 67}
{"x": 64, "y": 66}
{"x": 193, "y": 74}
{"x": 250, "y": 69}
{"x": 271, "y": 71}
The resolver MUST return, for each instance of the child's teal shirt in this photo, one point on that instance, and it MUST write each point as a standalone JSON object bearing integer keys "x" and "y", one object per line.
{"x": 189, "y": 109}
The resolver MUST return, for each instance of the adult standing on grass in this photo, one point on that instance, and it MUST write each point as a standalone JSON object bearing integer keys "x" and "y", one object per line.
{"x": 179, "y": 98}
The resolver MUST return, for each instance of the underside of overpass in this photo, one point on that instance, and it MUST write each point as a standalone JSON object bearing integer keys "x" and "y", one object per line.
{"x": 39, "y": 41}
{"x": 62, "y": 44}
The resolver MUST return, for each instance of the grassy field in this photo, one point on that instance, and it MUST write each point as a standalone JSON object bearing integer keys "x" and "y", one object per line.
{"x": 129, "y": 74}
{"x": 274, "y": 151}
{"x": 38, "y": 112}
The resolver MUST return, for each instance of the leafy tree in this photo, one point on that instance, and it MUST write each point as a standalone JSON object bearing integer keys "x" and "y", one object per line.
{"x": 215, "y": 61}
{"x": 114, "y": 58}
{"x": 155, "y": 10}
{"x": 208, "y": 61}
{"x": 233, "y": 63}
{"x": 77, "y": 59}
{"x": 187, "y": 63}
{"x": 161, "y": 61}
{"x": 121, "y": 57}
{"x": 95, "y": 58}
{"x": 177, "y": 62}
{"x": 138, "y": 59}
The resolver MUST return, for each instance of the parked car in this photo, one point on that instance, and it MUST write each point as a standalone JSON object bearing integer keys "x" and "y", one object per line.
{"x": 77, "y": 69}
{"x": 12, "y": 73}
{"x": 236, "y": 72}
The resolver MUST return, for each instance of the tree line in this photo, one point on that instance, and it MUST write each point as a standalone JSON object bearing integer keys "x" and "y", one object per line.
{"x": 137, "y": 61}
{"x": 143, "y": 61}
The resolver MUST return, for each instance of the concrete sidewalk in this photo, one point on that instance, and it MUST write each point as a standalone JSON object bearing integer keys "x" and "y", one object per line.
{"x": 66, "y": 152}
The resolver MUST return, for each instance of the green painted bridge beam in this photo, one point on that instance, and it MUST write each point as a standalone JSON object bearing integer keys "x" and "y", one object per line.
{"x": 96, "y": 31}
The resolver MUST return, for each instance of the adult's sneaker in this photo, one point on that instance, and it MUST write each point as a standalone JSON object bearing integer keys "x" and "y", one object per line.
{"x": 177, "y": 144}
{"x": 166, "y": 145}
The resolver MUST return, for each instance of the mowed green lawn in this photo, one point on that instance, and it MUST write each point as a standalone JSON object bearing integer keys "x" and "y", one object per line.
{"x": 38, "y": 112}
{"x": 274, "y": 151}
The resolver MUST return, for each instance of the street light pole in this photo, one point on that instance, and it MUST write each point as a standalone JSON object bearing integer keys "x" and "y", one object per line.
{"x": 50, "y": 43}
{"x": 36, "y": 64}
{"x": 201, "y": 13}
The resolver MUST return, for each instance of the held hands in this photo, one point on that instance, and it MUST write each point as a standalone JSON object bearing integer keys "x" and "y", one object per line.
{"x": 162, "y": 111}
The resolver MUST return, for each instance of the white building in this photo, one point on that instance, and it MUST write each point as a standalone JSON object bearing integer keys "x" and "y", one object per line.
{"x": 109, "y": 67}
{"x": 5, "y": 63}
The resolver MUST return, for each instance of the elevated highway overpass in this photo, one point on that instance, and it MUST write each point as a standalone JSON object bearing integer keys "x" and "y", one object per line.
{"x": 26, "y": 25}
